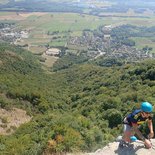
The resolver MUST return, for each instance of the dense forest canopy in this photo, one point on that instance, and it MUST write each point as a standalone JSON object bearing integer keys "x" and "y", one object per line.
{"x": 75, "y": 109}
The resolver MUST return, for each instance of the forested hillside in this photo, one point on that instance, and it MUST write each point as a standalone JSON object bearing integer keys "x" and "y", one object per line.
{"x": 75, "y": 109}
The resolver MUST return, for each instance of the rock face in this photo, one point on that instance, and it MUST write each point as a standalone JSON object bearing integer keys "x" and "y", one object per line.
{"x": 12, "y": 119}
{"x": 137, "y": 148}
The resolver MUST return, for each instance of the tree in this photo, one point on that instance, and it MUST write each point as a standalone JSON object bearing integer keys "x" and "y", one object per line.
{"x": 114, "y": 117}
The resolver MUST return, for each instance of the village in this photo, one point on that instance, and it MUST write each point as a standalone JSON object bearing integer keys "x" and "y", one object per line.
{"x": 104, "y": 45}
{"x": 97, "y": 44}
{"x": 9, "y": 34}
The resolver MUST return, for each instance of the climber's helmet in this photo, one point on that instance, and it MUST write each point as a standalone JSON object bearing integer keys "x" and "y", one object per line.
{"x": 146, "y": 107}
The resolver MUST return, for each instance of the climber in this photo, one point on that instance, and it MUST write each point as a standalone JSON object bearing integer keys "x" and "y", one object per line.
{"x": 132, "y": 123}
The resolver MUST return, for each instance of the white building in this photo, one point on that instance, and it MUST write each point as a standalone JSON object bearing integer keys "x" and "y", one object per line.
{"x": 53, "y": 52}
{"x": 24, "y": 34}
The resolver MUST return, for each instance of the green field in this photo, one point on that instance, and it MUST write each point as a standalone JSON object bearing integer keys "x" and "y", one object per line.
{"x": 66, "y": 24}
{"x": 5, "y": 13}
{"x": 70, "y": 24}
{"x": 142, "y": 42}
{"x": 63, "y": 22}
{"x": 57, "y": 43}
{"x": 76, "y": 22}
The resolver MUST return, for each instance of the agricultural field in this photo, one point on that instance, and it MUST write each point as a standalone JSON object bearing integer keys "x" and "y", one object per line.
{"x": 54, "y": 29}
{"x": 49, "y": 60}
{"x": 62, "y": 22}
{"x": 141, "y": 42}
{"x": 37, "y": 49}
{"x": 43, "y": 27}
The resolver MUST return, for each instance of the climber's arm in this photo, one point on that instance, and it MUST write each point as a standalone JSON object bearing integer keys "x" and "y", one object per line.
{"x": 147, "y": 142}
{"x": 150, "y": 125}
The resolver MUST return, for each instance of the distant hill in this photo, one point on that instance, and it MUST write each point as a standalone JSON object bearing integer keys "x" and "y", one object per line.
{"x": 40, "y": 6}
{"x": 73, "y": 6}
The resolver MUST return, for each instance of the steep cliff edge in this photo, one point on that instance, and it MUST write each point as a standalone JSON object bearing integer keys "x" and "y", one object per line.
{"x": 138, "y": 148}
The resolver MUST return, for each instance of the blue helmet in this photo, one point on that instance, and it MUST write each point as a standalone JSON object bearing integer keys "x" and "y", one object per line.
{"x": 146, "y": 107}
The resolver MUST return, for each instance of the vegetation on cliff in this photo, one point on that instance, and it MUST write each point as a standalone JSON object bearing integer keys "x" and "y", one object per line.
{"x": 75, "y": 109}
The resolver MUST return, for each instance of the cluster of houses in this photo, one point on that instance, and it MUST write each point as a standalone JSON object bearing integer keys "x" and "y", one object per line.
{"x": 103, "y": 45}
{"x": 12, "y": 35}
{"x": 129, "y": 53}
{"x": 9, "y": 34}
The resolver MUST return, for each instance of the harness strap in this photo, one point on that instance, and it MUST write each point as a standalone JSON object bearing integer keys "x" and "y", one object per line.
{"x": 125, "y": 121}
